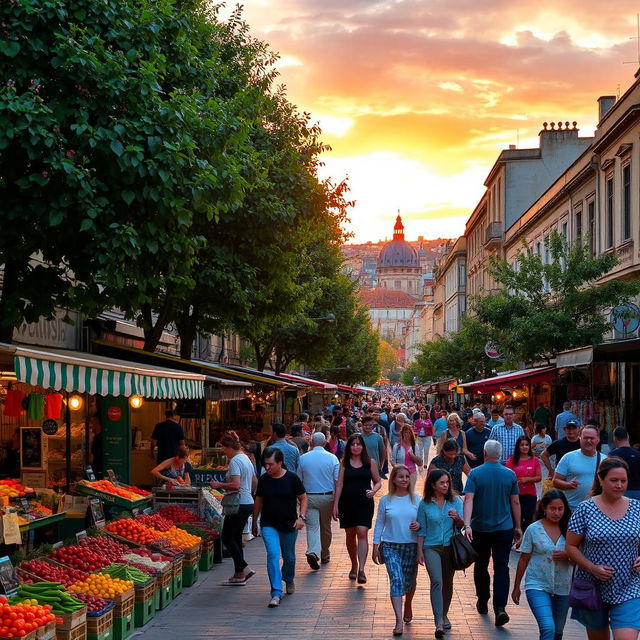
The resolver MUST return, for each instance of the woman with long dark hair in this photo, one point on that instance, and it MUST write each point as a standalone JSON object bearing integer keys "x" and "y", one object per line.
{"x": 394, "y": 542}
{"x": 602, "y": 540}
{"x": 548, "y": 574}
{"x": 528, "y": 472}
{"x": 358, "y": 483}
{"x": 439, "y": 514}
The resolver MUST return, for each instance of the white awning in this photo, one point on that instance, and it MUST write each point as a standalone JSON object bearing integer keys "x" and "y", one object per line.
{"x": 575, "y": 358}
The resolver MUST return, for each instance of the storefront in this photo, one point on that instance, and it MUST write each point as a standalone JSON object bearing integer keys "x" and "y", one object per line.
{"x": 52, "y": 398}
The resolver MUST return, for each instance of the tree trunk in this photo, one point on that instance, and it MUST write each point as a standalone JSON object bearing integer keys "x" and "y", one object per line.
{"x": 262, "y": 355}
{"x": 153, "y": 332}
{"x": 9, "y": 288}
{"x": 187, "y": 330}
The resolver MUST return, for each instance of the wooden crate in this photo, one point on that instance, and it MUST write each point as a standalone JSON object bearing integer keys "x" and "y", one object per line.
{"x": 99, "y": 625}
{"x": 77, "y": 633}
{"x": 121, "y": 598}
{"x": 72, "y": 620}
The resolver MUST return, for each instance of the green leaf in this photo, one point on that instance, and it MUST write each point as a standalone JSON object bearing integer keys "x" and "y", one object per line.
{"x": 117, "y": 148}
{"x": 10, "y": 48}
{"x": 128, "y": 196}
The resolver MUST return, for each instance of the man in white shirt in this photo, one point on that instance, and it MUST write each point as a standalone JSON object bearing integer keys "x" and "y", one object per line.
{"x": 576, "y": 471}
{"x": 318, "y": 469}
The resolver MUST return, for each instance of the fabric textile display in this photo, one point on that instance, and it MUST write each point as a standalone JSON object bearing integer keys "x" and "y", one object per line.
{"x": 13, "y": 403}
{"x": 36, "y": 407}
{"x": 53, "y": 406}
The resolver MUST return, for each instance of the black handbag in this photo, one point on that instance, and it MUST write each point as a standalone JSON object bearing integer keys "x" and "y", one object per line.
{"x": 463, "y": 555}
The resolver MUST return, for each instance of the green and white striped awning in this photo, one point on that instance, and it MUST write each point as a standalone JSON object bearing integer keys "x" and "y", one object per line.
{"x": 86, "y": 373}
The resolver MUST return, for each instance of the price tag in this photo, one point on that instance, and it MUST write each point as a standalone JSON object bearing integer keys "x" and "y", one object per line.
{"x": 11, "y": 528}
{"x": 97, "y": 513}
{"x": 26, "y": 507}
{"x": 58, "y": 545}
{"x": 88, "y": 471}
{"x": 8, "y": 577}
{"x": 81, "y": 535}
{"x": 111, "y": 475}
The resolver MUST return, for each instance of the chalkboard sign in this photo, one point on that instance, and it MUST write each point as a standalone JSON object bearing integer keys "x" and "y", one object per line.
{"x": 31, "y": 448}
{"x": 97, "y": 512}
{"x": 9, "y": 582}
{"x": 50, "y": 427}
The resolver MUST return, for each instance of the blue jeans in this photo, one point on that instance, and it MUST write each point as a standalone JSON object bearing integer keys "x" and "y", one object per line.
{"x": 550, "y": 612}
{"x": 277, "y": 542}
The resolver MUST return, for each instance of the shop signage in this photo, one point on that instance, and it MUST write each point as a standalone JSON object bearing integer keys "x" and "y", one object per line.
{"x": 31, "y": 448}
{"x": 203, "y": 477}
{"x": 625, "y": 318}
{"x": 114, "y": 413}
{"x": 50, "y": 427}
{"x": 51, "y": 333}
{"x": 81, "y": 535}
{"x": 492, "y": 350}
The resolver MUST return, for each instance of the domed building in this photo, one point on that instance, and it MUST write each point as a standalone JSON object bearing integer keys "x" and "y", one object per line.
{"x": 399, "y": 264}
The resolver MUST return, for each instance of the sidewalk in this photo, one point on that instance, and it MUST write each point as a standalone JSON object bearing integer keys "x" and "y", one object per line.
{"x": 326, "y": 605}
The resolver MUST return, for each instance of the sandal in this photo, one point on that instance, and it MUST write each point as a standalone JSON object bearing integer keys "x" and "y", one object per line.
{"x": 397, "y": 631}
{"x": 407, "y": 620}
{"x": 362, "y": 578}
{"x": 353, "y": 575}
{"x": 249, "y": 574}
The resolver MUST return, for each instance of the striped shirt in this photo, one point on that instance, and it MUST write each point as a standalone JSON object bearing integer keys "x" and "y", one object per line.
{"x": 507, "y": 437}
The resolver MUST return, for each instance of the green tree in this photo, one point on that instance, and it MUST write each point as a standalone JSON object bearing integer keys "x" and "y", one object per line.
{"x": 411, "y": 375}
{"x": 543, "y": 309}
{"x": 458, "y": 355}
{"x": 388, "y": 358}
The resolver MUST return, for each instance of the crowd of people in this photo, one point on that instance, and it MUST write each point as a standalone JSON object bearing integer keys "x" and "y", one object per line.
{"x": 568, "y": 509}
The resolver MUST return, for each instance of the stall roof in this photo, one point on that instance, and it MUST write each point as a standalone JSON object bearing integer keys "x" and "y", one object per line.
{"x": 328, "y": 386}
{"x": 361, "y": 387}
{"x": 526, "y": 376}
{"x": 626, "y": 350}
{"x": 346, "y": 387}
{"x": 265, "y": 377}
{"x": 89, "y": 373}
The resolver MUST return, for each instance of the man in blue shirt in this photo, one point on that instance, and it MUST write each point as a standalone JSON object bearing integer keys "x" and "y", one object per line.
{"x": 291, "y": 454}
{"x": 507, "y": 433}
{"x": 476, "y": 437}
{"x": 491, "y": 506}
{"x": 563, "y": 418}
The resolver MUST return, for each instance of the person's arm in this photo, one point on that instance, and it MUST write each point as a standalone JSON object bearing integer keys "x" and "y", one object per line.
{"x": 414, "y": 458}
{"x": 467, "y": 510}
{"x": 441, "y": 441}
{"x": 381, "y": 520}
{"x": 186, "y": 480}
{"x": 545, "y": 456}
{"x": 154, "y": 446}
{"x": 377, "y": 483}
{"x": 302, "y": 518}
{"x": 523, "y": 563}
{"x": 466, "y": 469}
{"x": 257, "y": 509}
{"x": 560, "y": 482}
{"x": 336, "y": 495}
{"x": 155, "y": 472}
{"x": 494, "y": 434}
{"x": 572, "y": 547}
{"x": 254, "y": 481}
{"x": 232, "y": 484}
{"x": 515, "y": 510}
{"x": 383, "y": 451}
{"x": 466, "y": 451}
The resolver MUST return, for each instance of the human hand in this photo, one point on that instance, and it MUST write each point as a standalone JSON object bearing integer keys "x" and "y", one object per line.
{"x": 560, "y": 555}
{"x": 602, "y": 572}
{"x": 215, "y": 485}
{"x": 334, "y": 513}
{"x": 453, "y": 514}
{"x": 469, "y": 534}
{"x": 414, "y": 526}
{"x": 420, "y": 557}
{"x": 517, "y": 535}
{"x": 472, "y": 456}
{"x": 370, "y": 493}
{"x": 254, "y": 529}
{"x": 299, "y": 523}
{"x": 574, "y": 484}
{"x": 375, "y": 554}
{"x": 515, "y": 595}
{"x": 636, "y": 564}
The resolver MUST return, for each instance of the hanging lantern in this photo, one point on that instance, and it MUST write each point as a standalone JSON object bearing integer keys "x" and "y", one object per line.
{"x": 75, "y": 402}
{"x": 135, "y": 402}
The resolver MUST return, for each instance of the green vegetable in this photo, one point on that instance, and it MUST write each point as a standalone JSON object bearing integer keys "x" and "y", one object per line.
{"x": 125, "y": 572}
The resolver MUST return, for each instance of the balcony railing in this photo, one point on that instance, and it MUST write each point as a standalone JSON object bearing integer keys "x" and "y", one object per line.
{"x": 493, "y": 236}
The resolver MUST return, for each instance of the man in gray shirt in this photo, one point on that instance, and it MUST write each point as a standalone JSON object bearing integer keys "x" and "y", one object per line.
{"x": 373, "y": 441}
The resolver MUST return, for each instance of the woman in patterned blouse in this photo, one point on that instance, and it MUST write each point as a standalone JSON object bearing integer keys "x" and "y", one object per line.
{"x": 602, "y": 540}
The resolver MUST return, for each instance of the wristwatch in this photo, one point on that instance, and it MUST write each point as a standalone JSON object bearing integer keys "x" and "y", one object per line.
{"x": 303, "y": 518}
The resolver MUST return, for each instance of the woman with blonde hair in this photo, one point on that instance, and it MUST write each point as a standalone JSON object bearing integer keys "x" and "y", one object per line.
{"x": 454, "y": 432}
{"x": 404, "y": 452}
{"x": 394, "y": 543}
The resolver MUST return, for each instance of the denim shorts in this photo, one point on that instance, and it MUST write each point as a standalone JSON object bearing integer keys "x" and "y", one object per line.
{"x": 625, "y": 615}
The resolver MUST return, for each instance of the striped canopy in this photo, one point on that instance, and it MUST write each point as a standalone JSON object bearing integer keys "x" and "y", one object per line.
{"x": 100, "y": 376}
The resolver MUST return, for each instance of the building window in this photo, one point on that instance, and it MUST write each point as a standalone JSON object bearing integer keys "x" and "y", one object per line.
{"x": 609, "y": 210}
{"x": 398, "y": 284}
{"x": 591, "y": 229}
{"x": 578, "y": 222}
{"x": 565, "y": 230}
{"x": 626, "y": 202}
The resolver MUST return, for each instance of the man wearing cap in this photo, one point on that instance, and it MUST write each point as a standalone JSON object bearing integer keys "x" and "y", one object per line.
{"x": 570, "y": 442}
{"x": 318, "y": 469}
{"x": 563, "y": 418}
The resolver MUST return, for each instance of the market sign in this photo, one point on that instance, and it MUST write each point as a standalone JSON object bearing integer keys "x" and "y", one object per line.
{"x": 492, "y": 349}
{"x": 50, "y": 427}
{"x": 625, "y": 318}
{"x": 114, "y": 413}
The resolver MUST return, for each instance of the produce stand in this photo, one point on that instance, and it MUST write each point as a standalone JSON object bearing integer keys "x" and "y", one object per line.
{"x": 85, "y": 488}
{"x": 203, "y": 476}
{"x": 43, "y": 522}
{"x": 145, "y": 606}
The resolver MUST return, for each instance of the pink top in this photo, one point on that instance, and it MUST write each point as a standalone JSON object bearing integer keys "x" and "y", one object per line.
{"x": 526, "y": 469}
{"x": 419, "y": 425}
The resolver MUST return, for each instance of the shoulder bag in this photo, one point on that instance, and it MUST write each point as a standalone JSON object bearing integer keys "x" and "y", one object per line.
{"x": 231, "y": 503}
{"x": 584, "y": 594}
{"x": 463, "y": 555}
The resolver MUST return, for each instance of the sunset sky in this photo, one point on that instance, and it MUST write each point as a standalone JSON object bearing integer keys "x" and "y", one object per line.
{"x": 418, "y": 97}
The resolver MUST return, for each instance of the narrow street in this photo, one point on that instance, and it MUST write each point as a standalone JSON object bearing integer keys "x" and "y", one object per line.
{"x": 326, "y": 605}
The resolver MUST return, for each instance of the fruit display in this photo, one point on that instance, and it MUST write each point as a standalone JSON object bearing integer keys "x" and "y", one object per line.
{"x": 13, "y": 489}
{"x": 105, "y": 486}
{"x": 102, "y": 586}
{"x": 133, "y": 530}
{"x": 201, "y": 530}
{"x": 80, "y": 558}
{"x": 126, "y": 572}
{"x": 180, "y": 538}
{"x": 49, "y": 593}
{"x": 178, "y": 514}
{"x": 166, "y": 548}
{"x": 155, "y": 521}
{"x": 140, "y": 492}
{"x": 52, "y": 572}
{"x": 105, "y": 546}
{"x": 94, "y": 604}
{"x": 19, "y": 619}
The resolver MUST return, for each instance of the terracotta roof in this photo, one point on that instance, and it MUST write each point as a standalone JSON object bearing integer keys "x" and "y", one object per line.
{"x": 381, "y": 298}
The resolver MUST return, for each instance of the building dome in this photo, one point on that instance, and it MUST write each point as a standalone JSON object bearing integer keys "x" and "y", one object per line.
{"x": 398, "y": 252}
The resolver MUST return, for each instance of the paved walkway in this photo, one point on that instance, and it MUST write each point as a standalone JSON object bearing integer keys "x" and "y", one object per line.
{"x": 326, "y": 605}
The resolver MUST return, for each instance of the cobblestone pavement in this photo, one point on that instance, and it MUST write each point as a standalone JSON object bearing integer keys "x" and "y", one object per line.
{"x": 326, "y": 605}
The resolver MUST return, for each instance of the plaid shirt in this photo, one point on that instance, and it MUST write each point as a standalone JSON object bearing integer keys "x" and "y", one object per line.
{"x": 507, "y": 437}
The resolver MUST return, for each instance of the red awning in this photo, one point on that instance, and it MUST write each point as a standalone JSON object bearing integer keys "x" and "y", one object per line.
{"x": 309, "y": 381}
{"x": 510, "y": 379}
{"x": 348, "y": 389}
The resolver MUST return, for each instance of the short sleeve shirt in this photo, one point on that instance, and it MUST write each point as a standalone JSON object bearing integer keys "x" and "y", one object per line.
{"x": 526, "y": 469}
{"x": 560, "y": 448}
{"x": 576, "y": 466}
{"x": 375, "y": 446}
{"x": 492, "y": 485}
{"x": 168, "y": 434}
{"x": 632, "y": 457}
{"x": 544, "y": 573}
{"x": 454, "y": 470}
{"x": 240, "y": 465}
{"x": 613, "y": 543}
{"x": 475, "y": 444}
{"x": 279, "y": 500}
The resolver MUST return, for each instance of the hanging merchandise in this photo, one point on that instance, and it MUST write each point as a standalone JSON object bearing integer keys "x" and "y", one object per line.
{"x": 35, "y": 410}
{"x": 13, "y": 403}
{"x": 53, "y": 406}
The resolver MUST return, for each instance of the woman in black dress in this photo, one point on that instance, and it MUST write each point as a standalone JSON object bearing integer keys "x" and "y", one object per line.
{"x": 353, "y": 502}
